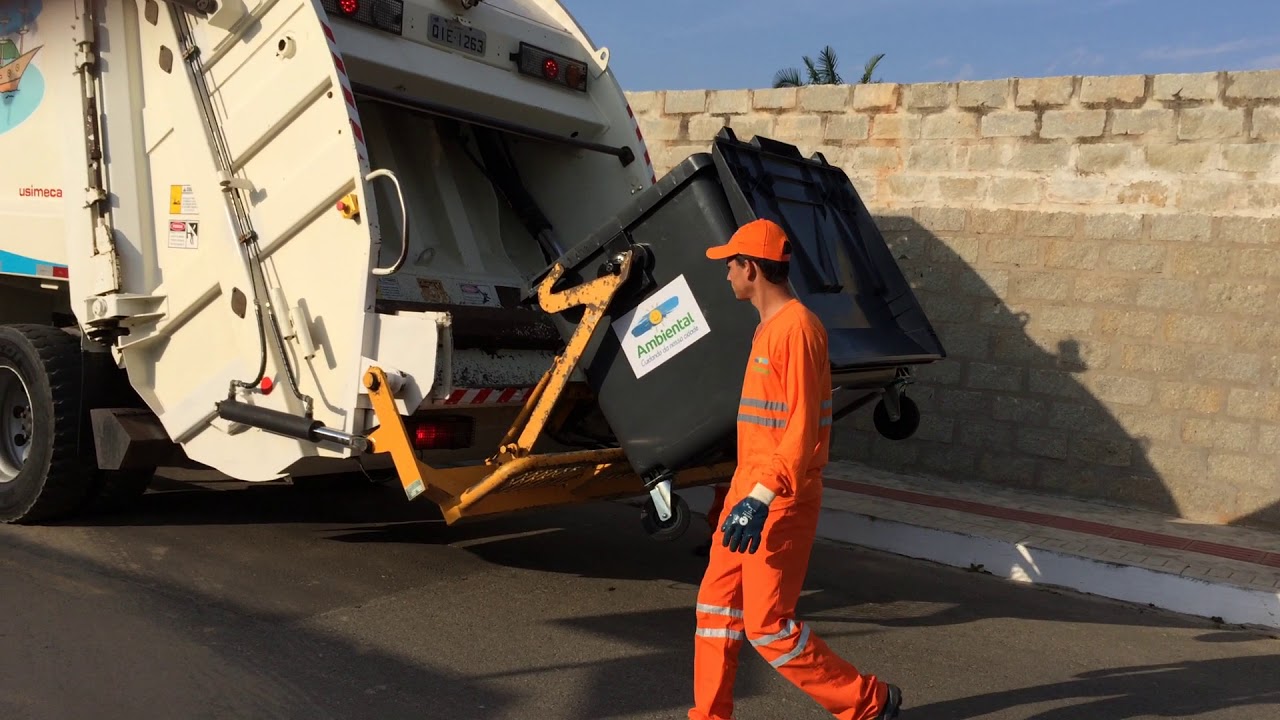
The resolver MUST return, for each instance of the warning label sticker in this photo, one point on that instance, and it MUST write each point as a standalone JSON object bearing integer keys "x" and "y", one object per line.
{"x": 477, "y": 294}
{"x": 390, "y": 288}
{"x": 184, "y": 234}
{"x": 182, "y": 200}
{"x": 663, "y": 326}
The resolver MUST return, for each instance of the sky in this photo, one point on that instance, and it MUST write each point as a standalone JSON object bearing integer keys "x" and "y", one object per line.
{"x": 730, "y": 44}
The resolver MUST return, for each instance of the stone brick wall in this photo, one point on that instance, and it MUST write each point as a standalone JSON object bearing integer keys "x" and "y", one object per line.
{"x": 1100, "y": 255}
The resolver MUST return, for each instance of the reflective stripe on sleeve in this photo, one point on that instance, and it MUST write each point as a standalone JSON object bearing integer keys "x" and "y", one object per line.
{"x": 761, "y": 420}
{"x": 775, "y": 405}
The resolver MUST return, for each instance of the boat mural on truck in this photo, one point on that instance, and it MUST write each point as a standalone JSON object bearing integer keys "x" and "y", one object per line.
{"x": 21, "y": 83}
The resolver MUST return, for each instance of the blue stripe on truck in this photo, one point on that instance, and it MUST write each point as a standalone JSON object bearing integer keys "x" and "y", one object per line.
{"x": 14, "y": 264}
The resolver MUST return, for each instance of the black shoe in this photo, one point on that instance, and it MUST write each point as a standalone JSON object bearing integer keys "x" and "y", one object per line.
{"x": 892, "y": 703}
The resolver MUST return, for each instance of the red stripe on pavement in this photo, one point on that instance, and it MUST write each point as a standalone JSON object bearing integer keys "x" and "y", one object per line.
{"x": 1144, "y": 537}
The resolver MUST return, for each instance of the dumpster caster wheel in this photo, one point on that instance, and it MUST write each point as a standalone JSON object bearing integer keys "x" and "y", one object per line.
{"x": 905, "y": 426}
{"x": 673, "y": 527}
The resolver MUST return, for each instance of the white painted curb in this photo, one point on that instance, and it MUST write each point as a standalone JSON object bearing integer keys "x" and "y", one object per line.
{"x": 1053, "y": 568}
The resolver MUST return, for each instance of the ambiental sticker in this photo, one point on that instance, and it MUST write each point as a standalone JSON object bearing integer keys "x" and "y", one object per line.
{"x": 663, "y": 326}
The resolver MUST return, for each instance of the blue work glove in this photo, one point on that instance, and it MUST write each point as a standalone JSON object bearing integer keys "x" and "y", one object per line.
{"x": 744, "y": 526}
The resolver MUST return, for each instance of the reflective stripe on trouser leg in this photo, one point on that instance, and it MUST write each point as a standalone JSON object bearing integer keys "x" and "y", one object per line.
{"x": 718, "y": 639}
{"x": 775, "y": 642}
{"x": 719, "y": 635}
{"x": 772, "y": 580}
{"x": 799, "y": 655}
{"x": 715, "y": 621}
{"x": 719, "y": 610}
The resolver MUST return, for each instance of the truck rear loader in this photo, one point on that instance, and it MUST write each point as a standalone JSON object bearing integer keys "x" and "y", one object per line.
{"x": 281, "y": 238}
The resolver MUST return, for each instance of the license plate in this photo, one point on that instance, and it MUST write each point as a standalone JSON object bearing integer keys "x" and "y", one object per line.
{"x": 454, "y": 34}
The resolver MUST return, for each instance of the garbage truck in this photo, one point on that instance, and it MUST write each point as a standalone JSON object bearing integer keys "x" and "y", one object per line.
{"x": 282, "y": 238}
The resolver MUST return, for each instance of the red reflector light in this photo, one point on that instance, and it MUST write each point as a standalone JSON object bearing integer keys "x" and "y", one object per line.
{"x": 549, "y": 66}
{"x": 386, "y": 15}
{"x": 441, "y": 433}
{"x": 426, "y": 435}
{"x": 60, "y": 272}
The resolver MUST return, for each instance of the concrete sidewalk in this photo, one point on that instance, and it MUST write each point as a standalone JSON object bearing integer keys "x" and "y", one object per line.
{"x": 1226, "y": 573}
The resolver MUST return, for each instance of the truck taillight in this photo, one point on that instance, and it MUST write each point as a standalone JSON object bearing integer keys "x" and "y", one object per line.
{"x": 385, "y": 15}
{"x": 443, "y": 433}
{"x": 536, "y": 62}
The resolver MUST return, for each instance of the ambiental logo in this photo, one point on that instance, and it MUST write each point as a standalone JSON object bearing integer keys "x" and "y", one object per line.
{"x": 655, "y": 316}
{"x": 651, "y": 335}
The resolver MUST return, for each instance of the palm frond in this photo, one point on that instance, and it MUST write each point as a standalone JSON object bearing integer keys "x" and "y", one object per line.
{"x": 824, "y": 71}
{"x": 790, "y": 77}
{"x": 871, "y": 67}
{"x": 828, "y": 61}
{"x": 815, "y": 75}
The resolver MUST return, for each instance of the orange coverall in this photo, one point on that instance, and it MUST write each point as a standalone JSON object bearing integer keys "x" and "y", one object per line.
{"x": 784, "y": 432}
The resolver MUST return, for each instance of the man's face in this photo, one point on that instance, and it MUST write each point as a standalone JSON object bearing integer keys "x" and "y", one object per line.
{"x": 739, "y": 276}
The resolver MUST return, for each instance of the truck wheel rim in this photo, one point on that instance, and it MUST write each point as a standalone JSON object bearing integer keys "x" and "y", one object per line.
{"x": 16, "y": 424}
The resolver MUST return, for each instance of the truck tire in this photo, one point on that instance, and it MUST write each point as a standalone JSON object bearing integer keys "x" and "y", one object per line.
{"x": 43, "y": 471}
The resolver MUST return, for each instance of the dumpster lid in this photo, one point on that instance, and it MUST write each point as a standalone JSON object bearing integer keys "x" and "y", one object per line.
{"x": 615, "y": 232}
{"x": 841, "y": 266}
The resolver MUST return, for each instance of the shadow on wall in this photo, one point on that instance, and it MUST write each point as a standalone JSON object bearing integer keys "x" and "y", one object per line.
{"x": 1001, "y": 408}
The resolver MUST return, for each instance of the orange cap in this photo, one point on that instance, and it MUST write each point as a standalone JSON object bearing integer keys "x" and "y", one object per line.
{"x": 762, "y": 238}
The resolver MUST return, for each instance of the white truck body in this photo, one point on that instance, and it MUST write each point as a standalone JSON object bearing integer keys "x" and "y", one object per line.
{"x": 134, "y": 169}
{"x": 295, "y": 237}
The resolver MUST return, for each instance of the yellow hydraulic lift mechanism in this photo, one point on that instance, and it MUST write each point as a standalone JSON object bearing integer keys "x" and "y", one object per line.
{"x": 514, "y": 478}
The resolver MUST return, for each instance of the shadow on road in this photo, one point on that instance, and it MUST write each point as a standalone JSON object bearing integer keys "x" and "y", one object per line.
{"x": 636, "y": 661}
{"x": 556, "y": 540}
{"x": 1188, "y": 689}
{"x": 606, "y": 541}
{"x": 86, "y": 638}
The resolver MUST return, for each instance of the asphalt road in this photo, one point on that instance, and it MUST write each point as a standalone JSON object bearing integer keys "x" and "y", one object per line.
{"x": 345, "y": 603}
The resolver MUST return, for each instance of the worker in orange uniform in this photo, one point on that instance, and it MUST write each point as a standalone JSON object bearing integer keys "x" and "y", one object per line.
{"x": 721, "y": 490}
{"x": 754, "y": 576}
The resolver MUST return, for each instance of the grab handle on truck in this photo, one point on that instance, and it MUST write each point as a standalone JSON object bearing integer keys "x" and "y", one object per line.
{"x": 404, "y": 223}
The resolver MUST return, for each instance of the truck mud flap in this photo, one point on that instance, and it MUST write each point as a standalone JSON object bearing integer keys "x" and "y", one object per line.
{"x": 843, "y": 269}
